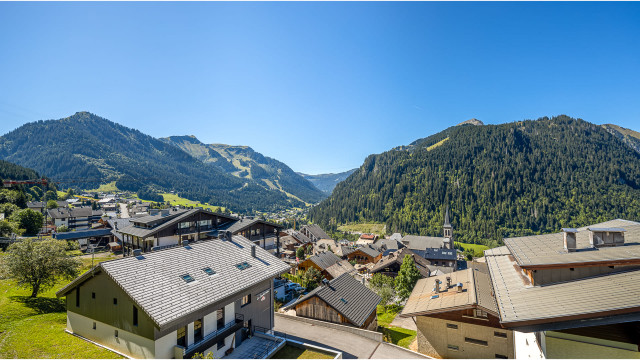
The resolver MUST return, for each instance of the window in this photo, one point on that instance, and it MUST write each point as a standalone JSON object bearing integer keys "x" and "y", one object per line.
{"x": 93, "y": 295}
{"x": 452, "y": 347}
{"x": 500, "y": 334}
{"x": 135, "y": 316}
{"x": 209, "y": 271}
{"x": 78, "y": 296}
{"x": 220, "y": 318}
{"x": 479, "y": 313}
{"x": 94, "y": 325}
{"x": 476, "y": 341}
{"x": 115, "y": 301}
{"x": 204, "y": 223}
{"x": 115, "y": 334}
{"x": 197, "y": 330}
{"x": 243, "y": 266}
{"x": 498, "y": 356}
{"x": 187, "y": 278}
{"x": 246, "y": 300}
{"x": 572, "y": 269}
{"x": 343, "y": 300}
{"x": 182, "y": 336}
{"x": 452, "y": 326}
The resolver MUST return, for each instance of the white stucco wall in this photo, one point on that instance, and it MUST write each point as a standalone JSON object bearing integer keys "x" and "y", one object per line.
{"x": 127, "y": 343}
{"x": 189, "y": 334}
{"x": 229, "y": 312}
{"x": 526, "y": 346}
{"x": 165, "y": 345}
{"x": 167, "y": 240}
{"x": 209, "y": 323}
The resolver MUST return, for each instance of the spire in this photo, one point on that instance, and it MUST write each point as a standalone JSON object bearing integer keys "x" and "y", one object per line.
{"x": 446, "y": 217}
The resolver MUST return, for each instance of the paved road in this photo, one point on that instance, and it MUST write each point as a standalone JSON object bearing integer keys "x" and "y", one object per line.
{"x": 124, "y": 212}
{"x": 351, "y": 345}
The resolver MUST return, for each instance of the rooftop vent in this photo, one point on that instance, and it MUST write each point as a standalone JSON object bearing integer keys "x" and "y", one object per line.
{"x": 448, "y": 282}
{"x": 436, "y": 287}
{"x": 570, "y": 243}
{"x": 459, "y": 286}
{"x": 603, "y": 237}
{"x": 185, "y": 243}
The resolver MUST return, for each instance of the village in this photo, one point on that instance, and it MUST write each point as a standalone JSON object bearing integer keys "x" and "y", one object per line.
{"x": 188, "y": 282}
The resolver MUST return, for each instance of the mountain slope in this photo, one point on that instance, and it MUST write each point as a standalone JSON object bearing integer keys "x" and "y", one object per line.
{"x": 629, "y": 137}
{"x": 86, "y": 146}
{"x": 503, "y": 180}
{"x": 244, "y": 162}
{"x": 327, "y": 182}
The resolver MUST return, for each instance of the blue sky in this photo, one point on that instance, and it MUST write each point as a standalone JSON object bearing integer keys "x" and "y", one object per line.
{"x": 318, "y": 86}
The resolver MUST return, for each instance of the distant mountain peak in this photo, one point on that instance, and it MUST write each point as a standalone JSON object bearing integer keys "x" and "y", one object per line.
{"x": 188, "y": 138}
{"x": 473, "y": 121}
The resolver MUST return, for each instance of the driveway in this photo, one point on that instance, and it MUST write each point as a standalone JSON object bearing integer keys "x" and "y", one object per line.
{"x": 352, "y": 346}
{"x": 124, "y": 212}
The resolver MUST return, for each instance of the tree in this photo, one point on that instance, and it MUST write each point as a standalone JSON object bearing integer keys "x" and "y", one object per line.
{"x": 52, "y": 204}
{"x": 39, "y": 264}
{"x": 312, "y": 277}
{"x": 300, "y": 252}
{"x": 51, "y": 195}
{"x": 7, "y": 228}
{"x": 8, "y": 209}
{"x": 407, "y": 277}
{"x": 383, "y": 286}
{"x": 29, "y": 220}
{"x": 62, "y": 229}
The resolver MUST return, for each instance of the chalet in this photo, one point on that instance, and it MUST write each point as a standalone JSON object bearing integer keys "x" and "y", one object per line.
{"x": 339, "y": 268}
{"x": 314, "y": 232}
{"x": 457, "y": 317}
{"x": 174, "y": 303}
{"x": 365, "y": 255}
{"x": 343, "y": 251}
{"x": 263, "y": 233}
{"x": 387, "y": 246}
{"x": 390, "y": 265}
{"x": 367, "y": 239}
{"x": 80, "y": 218}
{"x": 41, "y": 206}
{"x": 325, "y": 245}
{"x": 343, "y": 301}
{"x": 321, "y": 261}
{"x": 446, "y": 258}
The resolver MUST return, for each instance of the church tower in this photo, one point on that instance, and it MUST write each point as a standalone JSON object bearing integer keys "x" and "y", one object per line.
{"x": 447, "y": 228}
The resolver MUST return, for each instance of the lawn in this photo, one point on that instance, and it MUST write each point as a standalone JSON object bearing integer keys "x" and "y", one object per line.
{"x": 477, "y": 249}
{"x": 367, "y": 228}
{"x": 292, "y": 352}
{"x": 395, "y": 335}
{"x": 34, "y": 328}
{"x": 177, "y": 200}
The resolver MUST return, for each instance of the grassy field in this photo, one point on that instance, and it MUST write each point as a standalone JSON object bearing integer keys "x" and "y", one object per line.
{"x": 107, "y": 188}
{"x": 429, "y": 148}
{"x": 177, "y": 200}
{"x": 395, "y": 335}
{"x": 292, "y": 352}
{"x": 476, "y": 248}
{"x": 364, "y": 228}
{"x": 34, "y": 328}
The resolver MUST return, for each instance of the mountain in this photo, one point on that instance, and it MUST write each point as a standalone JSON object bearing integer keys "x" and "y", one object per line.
{"x": 327, "y": 182}
{"x": 245, "y": 163}
{"x": 85, "y": 147}
{"x": 525, "y": 177}
{"x": 473, "y": 121}
{"x": 629, "y": 137}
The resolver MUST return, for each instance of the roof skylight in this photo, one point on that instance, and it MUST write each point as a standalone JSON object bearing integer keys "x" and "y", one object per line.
{"x": 187, "y": 278}
{"x": 209, "y": 271}
{"x": 243, "y": 266}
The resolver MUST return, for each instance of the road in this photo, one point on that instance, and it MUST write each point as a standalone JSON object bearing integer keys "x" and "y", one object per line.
{"x": 352, "y": 346}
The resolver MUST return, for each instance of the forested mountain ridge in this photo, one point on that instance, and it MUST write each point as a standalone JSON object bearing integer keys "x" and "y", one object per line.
{"x": 327, "y": 182}
{"x": 244, "y": 162}
{"x": 86, "y": 146}
{"x": 19, "y": 194}
{"x": 519, "y": 178}
{"x": 628, "y": 136}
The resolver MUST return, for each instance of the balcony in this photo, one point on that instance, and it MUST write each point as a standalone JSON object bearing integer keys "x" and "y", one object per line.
{"x": 211, "y": 339}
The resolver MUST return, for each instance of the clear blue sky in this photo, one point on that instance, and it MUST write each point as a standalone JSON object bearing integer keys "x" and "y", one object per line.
{"x": 318, "y": 86}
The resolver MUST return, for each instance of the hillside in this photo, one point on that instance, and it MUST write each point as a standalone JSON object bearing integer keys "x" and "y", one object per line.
{"x": 327, "y": 182}
{"x": 243, "y": 162}
{"x": 519, "y": 178}
{"x": 86, "y": 146}
{"x": 19, "y": 195}
{"x": 629, "y": 137}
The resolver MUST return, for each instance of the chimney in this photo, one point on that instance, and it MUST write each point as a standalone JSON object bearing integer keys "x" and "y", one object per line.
{"x": 437, "y": 286}
{"x": 165, "y": 212}
{"x": 253, "y": 251}
{"x": 570, "y": 239}
{"x": 448, "y": 282}
{"x": 459, "y": 286}
{"x": 185, "y": 243}
{"x": 137, "y": 252}
{"x": 606, "y": 236}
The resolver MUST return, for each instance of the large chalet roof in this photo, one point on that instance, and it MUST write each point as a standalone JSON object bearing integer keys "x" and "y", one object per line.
{"x": 341, "y": 267}
{"x": 398, "y": 257}
{"x": 475, "y": 292}
{"x": 243, "y": 224}
{"x": 548, "y": 249}
{"x": 522, "y": 304}
{"x": 415, "y": 242}
{"x": 369, "y": 250}
{"x": 299, "y": 236}
{"x": 317, "y": 231}
{"x": 79, "y": 212}
{"x": 347, "y": 296}
{"x": 154, "y": 282}
{"x": 42, "y": 204}
{"x": 161, "y": 222}
{"x": 324, "y": 259}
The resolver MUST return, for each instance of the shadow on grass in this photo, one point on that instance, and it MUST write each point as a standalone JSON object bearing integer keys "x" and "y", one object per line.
{"x": 394, "y": 336}
{"x": 41, "y": 305}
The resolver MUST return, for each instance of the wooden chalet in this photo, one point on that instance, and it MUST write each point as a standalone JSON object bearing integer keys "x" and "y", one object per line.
{"x": 365, "y": 255}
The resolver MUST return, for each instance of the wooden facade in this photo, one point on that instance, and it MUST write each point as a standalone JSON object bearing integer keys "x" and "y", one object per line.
{"x": 316, "y": 308}
{"x": 363, "y": 258}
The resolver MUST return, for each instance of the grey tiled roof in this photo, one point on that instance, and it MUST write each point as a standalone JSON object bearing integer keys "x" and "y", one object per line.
{"x": 339, "y": 268}
{"x": 300, "y": 236}
{"x": 245, "y": 223}
{"x": 79, "y": 212}
{"x": 398, "y": 257}
{"x": 317, "y": 231}
{"x": 344, "y": 250}
{"x": 359, "y": 302}
{"x": 483, "y": 286}
{"x": 549, "y": 248}
{"x": 170, "y": 220}
{"x": 390, "y": 244}
{"x": 438, "y": 254}
{"x": 415, "y": 242}
{"x": 149, "y": 219}
{"x": 324, "y": 259}
{"x": 154, "y": 282}
{"x": 369, "y": 250}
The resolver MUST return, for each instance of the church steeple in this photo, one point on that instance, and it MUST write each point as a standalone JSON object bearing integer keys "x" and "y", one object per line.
{"x": 447, "y": 228}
